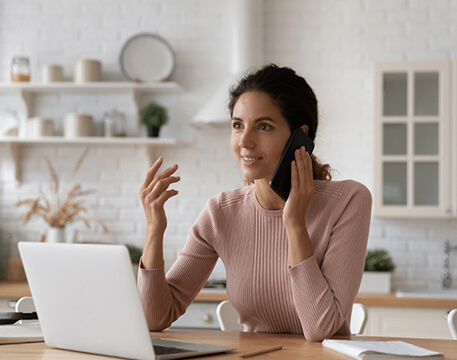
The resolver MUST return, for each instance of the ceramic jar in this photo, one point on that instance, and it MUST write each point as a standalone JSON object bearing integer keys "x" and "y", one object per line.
{"x": 77, "y": 125}
{"x": 88, "y": 70}
{"x": 38, "y": 126}
{"x": 51, "y": 73}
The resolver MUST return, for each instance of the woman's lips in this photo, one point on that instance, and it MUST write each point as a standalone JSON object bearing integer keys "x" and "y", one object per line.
{"x": 250, "y": 159}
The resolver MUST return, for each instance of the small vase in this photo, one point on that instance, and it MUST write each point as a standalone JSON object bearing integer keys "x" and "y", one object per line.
{"x": 153, "y": 131}
{"x": 376, "y": 282}
{"x": 55, "y": 235}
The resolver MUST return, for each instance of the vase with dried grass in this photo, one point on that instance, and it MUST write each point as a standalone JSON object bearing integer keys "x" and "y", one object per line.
{"x": 59, "y": 211}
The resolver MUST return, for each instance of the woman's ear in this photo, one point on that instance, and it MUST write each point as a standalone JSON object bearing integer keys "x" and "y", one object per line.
{"x": 305, "y": 129}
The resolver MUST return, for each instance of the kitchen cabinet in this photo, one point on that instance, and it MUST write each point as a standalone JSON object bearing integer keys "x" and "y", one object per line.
{"x": 414, "y": 157}
{"x": 27, "y": 92}
{"x": 407, "y": 322}
{"x": 4, "y": 307}
{"x": 200, "y": 315}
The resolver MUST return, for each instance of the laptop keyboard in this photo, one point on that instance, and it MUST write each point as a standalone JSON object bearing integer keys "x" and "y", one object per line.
{"x": 168, "y": 350}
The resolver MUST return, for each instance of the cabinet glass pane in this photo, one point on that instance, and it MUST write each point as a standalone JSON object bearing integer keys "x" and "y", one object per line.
{"x": 394, "y": 183}
{"x": 394, "y": 139}
{"x": 426, "y": 183}
{"x": 395, "y": 94}
{"x": 426, "y": 139}
{"x": 426, "y": 93}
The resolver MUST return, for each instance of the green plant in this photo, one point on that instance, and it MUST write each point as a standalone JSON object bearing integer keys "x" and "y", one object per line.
{"x": 378, "y": 260}
{"x": 154, "y": 115}
{"x": 135, "y": 253}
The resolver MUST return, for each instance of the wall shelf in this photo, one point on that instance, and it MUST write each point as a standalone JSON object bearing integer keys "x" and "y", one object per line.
{"x": 110, "y": 86}
{"x": 95, "y": 140}
{"x": 27, "y": 91}
{"x": 15, "y": 146}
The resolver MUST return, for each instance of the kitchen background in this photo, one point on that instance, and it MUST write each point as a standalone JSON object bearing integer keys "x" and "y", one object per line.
{"x": 333, "y": 44}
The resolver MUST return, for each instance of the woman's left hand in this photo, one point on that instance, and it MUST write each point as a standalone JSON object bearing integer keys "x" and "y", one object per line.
{"x": 301, "y": 192}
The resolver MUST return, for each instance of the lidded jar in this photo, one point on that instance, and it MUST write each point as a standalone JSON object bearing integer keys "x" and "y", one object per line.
{"x": 20, "y": 69}
{"x": 114, "y": 123}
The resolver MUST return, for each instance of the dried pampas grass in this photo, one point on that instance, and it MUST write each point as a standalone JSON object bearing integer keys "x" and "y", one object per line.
{"x": 59, "y": 212}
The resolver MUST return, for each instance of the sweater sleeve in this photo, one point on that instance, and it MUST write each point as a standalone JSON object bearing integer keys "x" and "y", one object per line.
{"x": 166, "y": 297}
{"x": 323, "y": 294}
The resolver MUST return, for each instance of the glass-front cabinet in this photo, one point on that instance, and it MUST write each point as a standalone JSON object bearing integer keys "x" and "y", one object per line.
{"x": 412, "y": 140}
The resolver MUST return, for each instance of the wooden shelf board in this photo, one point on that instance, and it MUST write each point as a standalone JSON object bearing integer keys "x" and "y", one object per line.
{"x": 95, "y": 140}
{"x": 162, "y": 87}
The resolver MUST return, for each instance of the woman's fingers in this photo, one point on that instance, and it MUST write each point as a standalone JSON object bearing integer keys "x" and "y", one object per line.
{"x": 303, "y": 170}
{"x": 295, "y": 181}
{"x": 152, "y": 178}
{"x": 163, "y": 175}
{"x": 300, "y": 162}
{"x": 162, "y": 186}
{"x": 151, "y": 173}
{"x": 308, "y": 168}
{"x": 166, "y": 195}
{"x": 155, "y": 184}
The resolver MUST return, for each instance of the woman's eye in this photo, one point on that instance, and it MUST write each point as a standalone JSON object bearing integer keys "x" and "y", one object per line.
{"x": 265, "y": 127}
{"x": 237, "y": 125}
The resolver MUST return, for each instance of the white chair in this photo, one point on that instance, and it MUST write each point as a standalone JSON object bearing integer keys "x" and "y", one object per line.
{"x": 359, "y": 319}
{"x": 25, "y": 304}
{"x": 452, "y": 322}
{"x": 228, "y": 318}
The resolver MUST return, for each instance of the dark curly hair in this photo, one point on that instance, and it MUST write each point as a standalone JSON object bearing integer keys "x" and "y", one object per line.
{"x": 294, "y": 97}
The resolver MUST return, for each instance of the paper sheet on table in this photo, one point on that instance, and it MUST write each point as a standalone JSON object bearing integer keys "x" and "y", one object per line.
{"x": 21, "y": 333}
{"x": 380, "y": 349}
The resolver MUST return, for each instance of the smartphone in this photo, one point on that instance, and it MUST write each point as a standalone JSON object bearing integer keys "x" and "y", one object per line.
{"x": 281, "y": 181}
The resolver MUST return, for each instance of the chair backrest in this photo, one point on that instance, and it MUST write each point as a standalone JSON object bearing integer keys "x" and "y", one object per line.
{"x": 359, "y": 319}
{"x": 25, "y": 304}
{"x": 452, "y": 322}
{"x": 228, "y": 318}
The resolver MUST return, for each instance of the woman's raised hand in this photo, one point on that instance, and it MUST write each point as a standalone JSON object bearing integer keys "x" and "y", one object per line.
{"x": 302, "y": 189}
{"x": 294, "y": 213}
{"x": 153, "y": 194}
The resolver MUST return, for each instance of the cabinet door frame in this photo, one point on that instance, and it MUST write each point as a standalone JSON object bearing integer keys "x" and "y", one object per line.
{"x": 443, "y": 209}
{"x": 453, "y": 140}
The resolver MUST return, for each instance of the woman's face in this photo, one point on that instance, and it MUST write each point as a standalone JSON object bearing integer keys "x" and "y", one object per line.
{"x": 259, "y": 135}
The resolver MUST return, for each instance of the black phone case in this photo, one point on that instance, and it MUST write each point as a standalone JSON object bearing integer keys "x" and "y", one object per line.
{"x": 281, "y": 180}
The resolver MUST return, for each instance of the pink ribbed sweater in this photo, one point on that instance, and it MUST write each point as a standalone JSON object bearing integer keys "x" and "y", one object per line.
{"x": 313, "y": 298}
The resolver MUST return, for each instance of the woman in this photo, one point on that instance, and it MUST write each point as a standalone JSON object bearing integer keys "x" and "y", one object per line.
{"x": 292, "y": 266}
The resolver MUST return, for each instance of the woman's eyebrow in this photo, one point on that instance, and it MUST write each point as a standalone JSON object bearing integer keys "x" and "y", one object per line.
{"x": 263, "y": 118}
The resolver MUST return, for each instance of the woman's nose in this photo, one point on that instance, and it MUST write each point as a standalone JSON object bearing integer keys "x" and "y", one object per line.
{"x": 247, "y": 140}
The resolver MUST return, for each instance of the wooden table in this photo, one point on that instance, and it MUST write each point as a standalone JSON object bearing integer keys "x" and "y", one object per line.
{"x": 294, "y": 346}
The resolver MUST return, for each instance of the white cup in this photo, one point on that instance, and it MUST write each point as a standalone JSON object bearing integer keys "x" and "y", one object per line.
{"x": 88, "y": 70}
{"x": 77, "y": 125}
{"x": 38, "y": 126}
{"x": 51, "y": 73}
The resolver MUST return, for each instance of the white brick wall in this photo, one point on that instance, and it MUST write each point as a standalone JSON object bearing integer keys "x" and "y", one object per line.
{"x": 334, "y": 44}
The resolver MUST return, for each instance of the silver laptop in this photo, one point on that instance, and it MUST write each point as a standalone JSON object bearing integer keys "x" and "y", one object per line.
{"x": 87, "y": 300}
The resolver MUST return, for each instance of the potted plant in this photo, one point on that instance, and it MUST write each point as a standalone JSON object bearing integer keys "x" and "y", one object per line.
{"x": 377, "y": 272}
{"x": 153, "y": 116}
{"x": 135, "y": 256}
